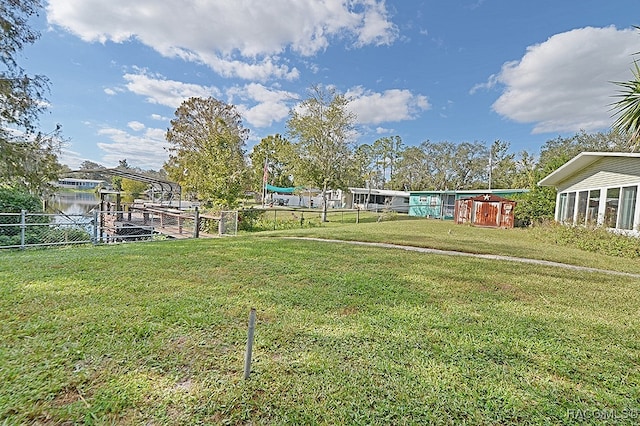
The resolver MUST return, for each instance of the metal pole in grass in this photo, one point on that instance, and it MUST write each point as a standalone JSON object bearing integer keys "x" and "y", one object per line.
{"x": 23, "y": 227}
{"x": 247, "y": 355}
{"x": 196, "y": 223}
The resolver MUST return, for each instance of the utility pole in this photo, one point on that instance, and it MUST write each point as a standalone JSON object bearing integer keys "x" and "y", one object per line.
{"x": 490, "y": 165}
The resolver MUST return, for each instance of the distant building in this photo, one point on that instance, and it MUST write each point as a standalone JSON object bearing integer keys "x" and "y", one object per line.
{"x": 441, "y": 204}
{"x": 599, "y": 188}
{"x": 73, "y": 183}
{"x": 378, "y": 200}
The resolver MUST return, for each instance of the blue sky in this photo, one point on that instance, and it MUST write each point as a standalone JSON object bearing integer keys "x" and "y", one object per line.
{"x": 457, "y": 70}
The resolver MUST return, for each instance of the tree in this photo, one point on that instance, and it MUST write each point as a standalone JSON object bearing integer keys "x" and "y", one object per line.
{"x": 469, "y": 166}
{"x": 323, "y": 128}
{"x": 30, "y": 164}
{"x": 206, "y": 153}
{"x": 133, "y": 187}
{"x": 276, "y": 151}
{"x": 412, "y": 171}
{"x": 21, "y": 95}
{"x": 89, "y": 171}
{"x": 387, "y": 152}
{"x": 28, "y": 159}
{"x": 503, "y": 166}
{"x": 364, "y": 168}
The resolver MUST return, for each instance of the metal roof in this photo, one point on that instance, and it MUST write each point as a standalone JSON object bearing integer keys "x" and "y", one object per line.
{"x": 578, "y": 163}
{"x": 374, "y": 191}
{"x": 156, "y": 184}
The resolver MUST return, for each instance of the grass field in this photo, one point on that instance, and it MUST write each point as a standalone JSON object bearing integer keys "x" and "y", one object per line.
{"x": 154, "y": 333}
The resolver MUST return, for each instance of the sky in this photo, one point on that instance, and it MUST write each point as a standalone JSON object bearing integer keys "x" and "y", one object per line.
{"x": 522, "y": 72}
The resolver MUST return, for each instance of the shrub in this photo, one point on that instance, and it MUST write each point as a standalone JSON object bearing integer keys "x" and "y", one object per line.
{"x": 593, "y": 239}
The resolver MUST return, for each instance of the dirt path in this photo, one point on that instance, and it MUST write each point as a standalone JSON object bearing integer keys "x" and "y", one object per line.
{"x": 480, "y": 256}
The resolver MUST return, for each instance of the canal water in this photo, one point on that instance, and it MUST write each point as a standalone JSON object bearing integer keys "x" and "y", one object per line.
{"x": 73, "y": 202}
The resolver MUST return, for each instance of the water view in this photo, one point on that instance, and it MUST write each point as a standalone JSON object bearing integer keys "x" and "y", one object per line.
{"x": 73, "y": 202}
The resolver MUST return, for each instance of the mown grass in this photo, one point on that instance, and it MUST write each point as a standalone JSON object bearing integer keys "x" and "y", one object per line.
{"x": 155, "y": 333}
{"x": 545, "y": 243}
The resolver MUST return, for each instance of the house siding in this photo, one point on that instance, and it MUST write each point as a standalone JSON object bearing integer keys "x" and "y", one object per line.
{"x": 607, "y": 172}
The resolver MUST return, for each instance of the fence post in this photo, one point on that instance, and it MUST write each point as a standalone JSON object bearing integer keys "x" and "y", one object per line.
{"x": 96, "y": 225}
{"x": 196, "y": 223}
{"x": 23, "y": 228}
{"x": 247, "y": 355}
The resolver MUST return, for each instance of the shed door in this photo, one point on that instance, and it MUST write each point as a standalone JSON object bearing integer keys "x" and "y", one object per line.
{"x": 486, "y": 213}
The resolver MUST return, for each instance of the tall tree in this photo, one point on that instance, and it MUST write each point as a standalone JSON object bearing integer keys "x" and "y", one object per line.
{"x": 502, "y": 165}
{"x": 469, "y": 166}
{"x": 206, "y": 153}
{"x": 275, "y": 153}
{"x": 412, "y": 171}
{"x": 21, "y": 94}
{"x": 28, "y": 159}
{"x": 323, "y": 127}
{"x": 364, "y": 167}
{"x": 387, "y": 151}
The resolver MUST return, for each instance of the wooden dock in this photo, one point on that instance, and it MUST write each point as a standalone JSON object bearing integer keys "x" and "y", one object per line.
{"x": 140, "y": 222}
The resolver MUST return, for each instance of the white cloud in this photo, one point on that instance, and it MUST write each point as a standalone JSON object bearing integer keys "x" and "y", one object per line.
{"x": 109, "y": 91}
{"x": 159, "y": 90}
{"x": 389, "y": 106}
{"x": 383, "y": 131}
{"x": 376, "y": 27}
{"x": 259, "y": 105}
{"x": 145, "y": 151}
{"x": 269, "y": 105}
{"x": 240, "y": 39}
{"x": 135, "y": 125}
{"x": 564, "y": 84}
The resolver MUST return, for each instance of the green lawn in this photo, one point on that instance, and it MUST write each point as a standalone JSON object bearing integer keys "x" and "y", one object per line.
{"x": 155, "y": 332}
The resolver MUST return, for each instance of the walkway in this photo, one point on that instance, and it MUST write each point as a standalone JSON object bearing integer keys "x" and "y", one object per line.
{"x": 479, "y": 256}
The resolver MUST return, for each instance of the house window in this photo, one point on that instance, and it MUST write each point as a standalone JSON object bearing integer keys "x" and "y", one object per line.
{"x": 583, "y": 198}
{"x": 594, "y": 205}
{"x": 569, "y": 208}
{"x": 611, "y": 209}
{"x": 561, "y": 206}
{"x": 627, "y": 207}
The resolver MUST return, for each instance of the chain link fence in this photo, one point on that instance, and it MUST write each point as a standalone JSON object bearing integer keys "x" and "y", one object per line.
{"x": 23, "y": 230}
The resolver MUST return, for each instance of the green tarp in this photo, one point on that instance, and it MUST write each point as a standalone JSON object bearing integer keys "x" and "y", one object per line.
{"x": 290, "y": 190}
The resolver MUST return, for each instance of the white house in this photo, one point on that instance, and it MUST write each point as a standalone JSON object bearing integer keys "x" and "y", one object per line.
{"x": 378, "y": 199}
{"x": 599, "y": 188}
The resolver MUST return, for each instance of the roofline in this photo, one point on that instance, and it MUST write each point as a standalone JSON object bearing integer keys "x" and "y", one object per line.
{"x": 378, "y": 191}
{"x": 470, "y": 191}
{"x": 579, "y": 162}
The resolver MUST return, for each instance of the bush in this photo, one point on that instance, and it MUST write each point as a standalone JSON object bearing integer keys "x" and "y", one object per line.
{"x": 593, "y": 239}
{"x": 255, "y": 220}
{"x": 248, "y": 218}
{"x": 14, "y": 201}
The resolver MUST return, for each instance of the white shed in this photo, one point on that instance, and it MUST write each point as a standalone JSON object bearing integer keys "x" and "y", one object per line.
{"x": 599, "y": 188}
